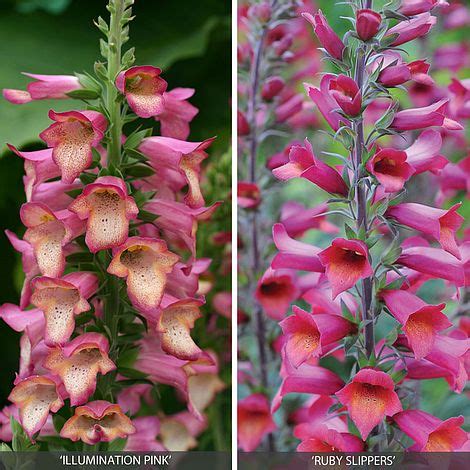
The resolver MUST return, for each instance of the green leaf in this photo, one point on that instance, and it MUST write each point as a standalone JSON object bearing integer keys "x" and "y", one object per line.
{"x": 350, "y": 233}
{"x": 82, "y": 257}
{"x": 398, "y": 376}
{"x": 131, "y": 373}
{"x": 139, "y": 171}
{"x": 20, "y": 441}
{"x": 87, "y": 178}
{"x": 58, "y": 421}
{"x": 83, "y": 94}
{"x": 4, "y": 447}
{"x": 146, "y": 216}
{"x": 134, "y": 139}
{"x": 117, "y": 445}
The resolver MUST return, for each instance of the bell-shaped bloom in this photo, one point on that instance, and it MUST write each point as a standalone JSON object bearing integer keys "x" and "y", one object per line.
{"x": 347, "y": 94}
{"x": 275, "y": 291}
{"x": 54, "y": 194}
{"x": 423, "y": 154}
{"x": 369, "y": 397}
{"x": 248, "y": 195}
{"x": 345, "y": 262}
{"x": 434, "y": 115}
{"x": 175, "y": 324}
{"x": 97, "y": 421}
{"x": 180, "y": 156}
{"x": 107, "y": 208}
{"x": 179, "y": 431}
{"x": 325, "y": 34}
{"x": 20, "y": 320}
{"x": 145, "y": 263}
{"x": 308, "y": 334}
{"x": 421, "y": 322}
{"x": 60, "y": 300}
{"x": 272, "y": 87}
{"x": 72, "y": 137}
{"x": 78, "y": 364}
{"x": 48, "y": 233}
{"x": 43, "y": 88}
{"x": 254, "y": 421}
{"x": 177, "y": 113}
{"x": 430, "y": 433}
{"x": 441, "y": 224}
{"x": 143, "y": 88}
{"x": 390, "y": 167}
{"x": 367, "y": 23}
{"x": 414, "y": 28}
{"x": 145, "y": 437}
{"x": 36, "y": 397}
{"x": 433, "y": 262}
{"x": 416, "y": 7}
{"x": 325, "y": 102}
{"x": 294, "y": 254}
{"x": 330, "y": 440}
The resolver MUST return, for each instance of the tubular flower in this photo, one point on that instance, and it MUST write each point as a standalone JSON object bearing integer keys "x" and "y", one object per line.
{"x": 369, "y": 397}
{"x": 61, "y": 300}
{"x": 421, "y": 322}
{"x": 412, "y": 29}
{"x": 72, "y": 137}
{"x": 45, "y": 87}
{"x": 347, "y": 94}
{"x": 415, "y": 7}
{"x": 48, "y": 233}
{"x": 308, "y": 334}
{"x": 430, "y": 433}
{"x": 143, "y": 88}
{"x": 390, "y": 167}
{"x": 97, "y": 421}
{"x": 179, "y": 431}
{"x": 108, "y": 209}
{"x": 248, "y": 195}
{"x": 330, "y": 440}
{"x": 441, "y": 224}
{"x": 345, "y": 262}
{"x": 36, "y": 396}
{"x": 423, "y": 154}
{"x": 144, "y": 439}
{"x": 145, "y": 263}
{"x": 254, "y": 421}
{"x": 78, "y": 364}
{"x": 367, "y": 23}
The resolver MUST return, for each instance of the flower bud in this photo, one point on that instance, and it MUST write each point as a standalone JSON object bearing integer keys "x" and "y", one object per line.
{"x": 367, "y": 23}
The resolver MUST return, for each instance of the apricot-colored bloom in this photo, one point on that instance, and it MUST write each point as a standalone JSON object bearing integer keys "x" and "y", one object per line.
{"x": 60, "y": 300}
{"x": 72, "y": 137}
{"x": 108, "y": 209}
{"x": 421, "y": 322}
{"x": 36, "y": 396}
{"x": 145, "y": 263}
{"x": 345, "y": 262}
{"x": 369, "y": 397}
{"x": 97, "y": 421}
{"x": 308, "y": 334}
{"x": 179, "y": 431}
{"x": 143, "y": 88}
{"x": 430, "y": 433}
{"x": 254, "y": 421}
{"x": 330, "y": 440}
{"x": 78, "y": 364}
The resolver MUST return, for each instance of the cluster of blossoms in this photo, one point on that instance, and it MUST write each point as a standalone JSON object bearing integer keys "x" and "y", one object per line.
{"x": 112, "y": 283}
{"x": 360, "y": 338}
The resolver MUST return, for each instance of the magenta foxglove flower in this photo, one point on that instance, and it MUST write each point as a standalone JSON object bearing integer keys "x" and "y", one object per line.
{"x": 45, "y": 87}
{"x": 441, "y": 224}
{"x": 145, "y": 263}
{"x": 72, "y": 137}
{"x": 309, "y": 335}
{"x": 390, "y": 167}
{"x": 144, "y": 439}
{"x": 61, "y": 300}
{"x": 36, "y": 396}
{"x": 254, "y": 421}
{"x": 107, "y": 208}
{"x": 347, "y": 94}
{"x": 97, "y": 421}
{"x": 369, "y": 387}
{"x": 367, "y": 23}
{"x": 423, "y": 155}
{"x": 345, "y": 262}
{"x": 430, "y": 433}
{"x": 289, "y": 108}
{"x": 414, "y": 28}
{"x": 326, "y": 439}
{"x": 272, "y": 87}
{"x": 421, "y": 322}
{"x": 248, "y": 195}
{"x": 415, "y": 7}
{"x": 325, "y": 34}
{"x": 143, "y": 88}
{"x": 78, "y": 364}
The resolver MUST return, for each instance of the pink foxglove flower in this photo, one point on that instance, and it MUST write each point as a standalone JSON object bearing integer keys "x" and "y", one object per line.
{"x": 415, "y": 7}
{"x": 78, "y": 364}
{"x": 97, "y": 421}
{"x": 430, "y": 433}
{"x": 345, "y": 262}
{"x": 143, "y": 88}
{"x": 325, "y": 439}
{"x": 254, "y": 421}
{"x": 367, "y": 23}
{"x": 347, "y": 94}
{"x": 107, "y": 208}
{"x": 421, "y": 322}
{"x": 423, "y": 154}
{"x": 144, "y": 439}
{"x": 272, "y": 87}
{"x": 72, "y": 137}
{"x": 179, "y": 431}
{"x": 412, "y": 29}
{"x": 369, "y": 397}
{"x": 145, "y": 263}
{"x": 248, "y": 195}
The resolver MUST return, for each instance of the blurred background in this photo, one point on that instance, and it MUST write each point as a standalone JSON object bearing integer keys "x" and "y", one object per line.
{"x": 191, "y": 45}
